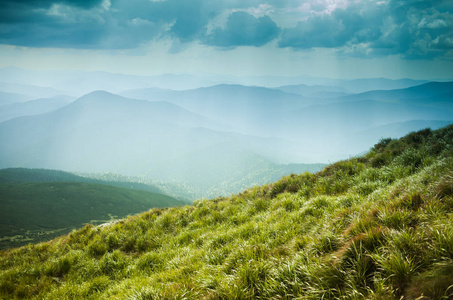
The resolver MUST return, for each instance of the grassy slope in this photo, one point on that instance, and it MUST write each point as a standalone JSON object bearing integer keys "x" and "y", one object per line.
{"x": 38, "y": 211}
{"x": 375, "y": 227}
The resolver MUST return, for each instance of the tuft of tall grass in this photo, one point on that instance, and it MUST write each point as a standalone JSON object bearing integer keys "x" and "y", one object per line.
{"x": 397, "y": 268}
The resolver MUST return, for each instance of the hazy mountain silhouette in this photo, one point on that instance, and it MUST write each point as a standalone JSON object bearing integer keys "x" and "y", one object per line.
{"x": 103, "y": 132}
{"x": 33, "y": 91}
{"x": 313, "y": 90}
{"x": 218, "y": 136}
{"x": 33, "y": 107}
{"x": 9, "y": 98}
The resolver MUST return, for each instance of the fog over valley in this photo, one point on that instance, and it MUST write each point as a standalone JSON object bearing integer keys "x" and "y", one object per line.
{"x": 217, "y": 139}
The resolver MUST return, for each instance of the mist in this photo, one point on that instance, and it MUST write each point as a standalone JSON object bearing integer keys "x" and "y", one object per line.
{"x": 218, "y": 139}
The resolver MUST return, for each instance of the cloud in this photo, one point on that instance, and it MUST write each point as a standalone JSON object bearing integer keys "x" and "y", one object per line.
{"x": 410, "y": 28}
{"x": 243, "y": 29}
{"x": 73, "y": 24}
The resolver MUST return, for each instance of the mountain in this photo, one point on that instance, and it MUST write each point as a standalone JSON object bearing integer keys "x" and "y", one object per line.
{"x": 416, "y": 94}
{"x": 97, "y": 128}
{"x": 33, "y": 107}
{"x": 370, "y": 84}
{"x": 393, "y": 130}
{"x": 208, "y": 129}
{"x": 332, "y": 121}
{"x": 78, "y": 83}
{"x": 314, "y": 90}
{"x": 30, "y": 90}
{"x": 102, "y": 132}
{"x": 372, "y": 227}
{"x": 269, "y": 112}
{"x": 33, "y": 212}
{"x": 242, "y": 108}
{"x": 350, "y": 116}
{"x": 9, "y": 98}
{"x": 23, "y": 175}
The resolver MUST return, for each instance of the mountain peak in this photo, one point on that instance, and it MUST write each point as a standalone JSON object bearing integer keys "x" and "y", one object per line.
{"x": 101, "y": 97}
{"x": 98, "y": 93}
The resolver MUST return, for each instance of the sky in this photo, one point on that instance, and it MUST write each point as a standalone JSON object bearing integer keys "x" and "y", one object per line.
{"x": 323, "y": 38}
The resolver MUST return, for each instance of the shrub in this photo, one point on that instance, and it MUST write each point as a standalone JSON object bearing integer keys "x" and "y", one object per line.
{"x": 411, "y": 158}
{"x": 383, "y": 143}
{"x": 415, "y": 139}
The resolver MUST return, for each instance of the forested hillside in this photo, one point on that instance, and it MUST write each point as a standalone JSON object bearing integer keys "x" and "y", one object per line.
{"x": 34, "y": 212}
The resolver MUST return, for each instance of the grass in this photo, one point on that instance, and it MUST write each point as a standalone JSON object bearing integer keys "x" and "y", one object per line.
{"x": 373, "y": 227}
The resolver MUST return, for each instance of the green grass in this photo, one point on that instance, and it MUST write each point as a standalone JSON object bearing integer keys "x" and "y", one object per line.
{"x": 31, "y": 212}
{"x": 374, "y": 227}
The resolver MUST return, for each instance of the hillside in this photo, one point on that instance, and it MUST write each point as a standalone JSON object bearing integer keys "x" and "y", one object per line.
{"x": 102, "y": 132}
{"x": 33, "y": 107}
{"x": 373, "y": 227}
{"x": 332, "y": 120}
{"x": 33, "y": 212}
{"x": 24, "y": 175}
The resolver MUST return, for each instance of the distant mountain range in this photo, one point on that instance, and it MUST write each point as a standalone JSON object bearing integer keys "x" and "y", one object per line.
{"x": 102, "y": 132}
{"x": 32, "y": 107}
{"x": 78, "y": 83}
{"x": 220, "y": 138}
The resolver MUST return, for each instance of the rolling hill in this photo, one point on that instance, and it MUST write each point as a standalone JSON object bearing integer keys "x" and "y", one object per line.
{"x": 23, "y": 175}
{"x": 269, "y": 112}
{"x": 372, "y": 227}
{"x": 194, "y": 137}
{"x": 240, "y": 107}
{"x": 313, "y": 90}
{"x": 103, "y": 132}
{"x": 78, "y": 83}
{"x": 33, "y": 212}
{"x": 10, "y": 98}
{"x": 33, "y": 107}
{"x": 419, "y": 94}
{"x": 32, "y": 91}
{"x": 320, "y": 129}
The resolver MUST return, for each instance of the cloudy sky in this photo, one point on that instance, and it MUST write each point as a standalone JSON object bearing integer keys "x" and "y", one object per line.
{"x": 330, "y": 38}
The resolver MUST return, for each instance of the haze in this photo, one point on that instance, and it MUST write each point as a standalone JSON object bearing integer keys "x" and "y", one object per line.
{"x": 219, "y": 95}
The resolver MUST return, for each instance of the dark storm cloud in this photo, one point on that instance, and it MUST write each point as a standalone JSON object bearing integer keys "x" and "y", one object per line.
{"x": 413, "y": 29}
{"x": 119, "y": 24}
{"x": 47, "y": 3}
{"x": 72, "y": 24}
{"x": 29, "y": 11}
{"x": 243, "y": 29}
